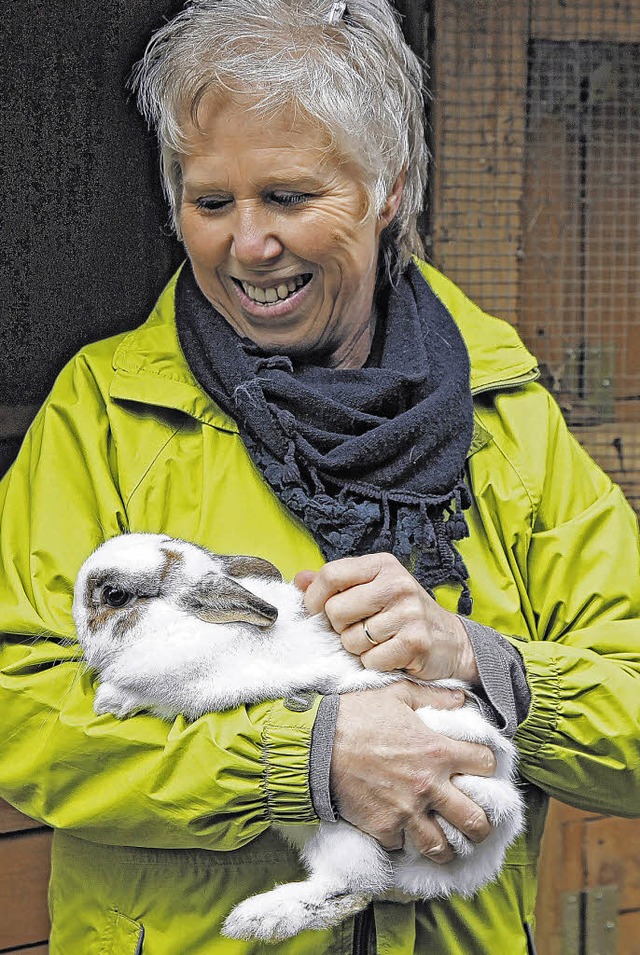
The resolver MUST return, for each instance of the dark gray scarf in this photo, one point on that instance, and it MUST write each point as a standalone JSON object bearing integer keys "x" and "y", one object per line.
{"x": 369, "y": 459}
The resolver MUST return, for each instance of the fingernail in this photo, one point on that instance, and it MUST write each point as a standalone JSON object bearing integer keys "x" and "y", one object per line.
{"x": 436, "y": 851}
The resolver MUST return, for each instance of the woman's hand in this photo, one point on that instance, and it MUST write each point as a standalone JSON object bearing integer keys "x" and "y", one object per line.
{"x": 411, "y": 631}
{"x": 390, "y": 772}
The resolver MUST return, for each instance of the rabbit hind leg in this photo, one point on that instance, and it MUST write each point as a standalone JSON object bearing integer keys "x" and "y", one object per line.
{"x": 289, "y": 909}
{"x": 346, "y": 870}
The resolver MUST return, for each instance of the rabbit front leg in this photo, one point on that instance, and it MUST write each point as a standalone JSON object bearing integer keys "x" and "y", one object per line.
{"x": 346, "y": 870}
{"x": 114, "y": 699}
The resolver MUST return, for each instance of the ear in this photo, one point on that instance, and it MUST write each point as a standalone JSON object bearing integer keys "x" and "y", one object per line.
{"x": 237, "y": 565}
{"x": 218, "y": 599}
{"x": 392, "y": 202}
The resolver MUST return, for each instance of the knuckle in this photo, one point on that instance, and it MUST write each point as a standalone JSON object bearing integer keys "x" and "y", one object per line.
{"x": 436, "y": 749}
{"x": 387, "y": 560}
{"x": 331, "y": 574}
{"x": 424, "y": 784}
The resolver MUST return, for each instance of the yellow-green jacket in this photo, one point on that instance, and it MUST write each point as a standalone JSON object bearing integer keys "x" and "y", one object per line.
{"x": 127, "y": 440}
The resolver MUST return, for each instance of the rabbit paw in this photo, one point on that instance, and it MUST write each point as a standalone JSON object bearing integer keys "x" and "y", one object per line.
{"x": 111, "y": 699}
{"x": 289, "y": 909}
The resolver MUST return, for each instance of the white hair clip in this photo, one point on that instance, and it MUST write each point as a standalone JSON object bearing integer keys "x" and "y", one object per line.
{"x": 336, "y": 13}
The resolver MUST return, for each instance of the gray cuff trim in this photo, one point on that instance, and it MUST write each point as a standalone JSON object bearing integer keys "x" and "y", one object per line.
{"x": 322, "y": 736}
{"x": 502, "y": 675}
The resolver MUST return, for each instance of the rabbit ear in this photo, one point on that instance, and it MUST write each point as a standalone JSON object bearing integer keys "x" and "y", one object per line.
{"x": 218, "y": 599}
{"x": 237, "y": 565}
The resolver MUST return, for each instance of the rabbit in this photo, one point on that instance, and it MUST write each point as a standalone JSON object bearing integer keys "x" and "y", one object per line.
{"x": 171, "y": 628}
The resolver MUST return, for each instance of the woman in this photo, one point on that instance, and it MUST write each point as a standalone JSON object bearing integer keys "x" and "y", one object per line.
{"x": 306, "y": 392}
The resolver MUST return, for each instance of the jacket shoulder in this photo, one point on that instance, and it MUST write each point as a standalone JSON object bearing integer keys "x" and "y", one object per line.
{"x": 497, "y": 353}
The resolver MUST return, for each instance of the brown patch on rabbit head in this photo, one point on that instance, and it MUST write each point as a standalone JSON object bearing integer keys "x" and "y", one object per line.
{"x": 102, "y": 615}
{"x": 131, "y": 618}
{"x": 172, "y": 561}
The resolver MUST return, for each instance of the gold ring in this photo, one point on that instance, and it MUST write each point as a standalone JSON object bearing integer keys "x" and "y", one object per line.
{"x": 374, "y": 643}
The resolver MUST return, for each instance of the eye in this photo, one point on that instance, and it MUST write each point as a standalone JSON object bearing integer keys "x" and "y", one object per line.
{"x": 212, "y": 203}
{"x": 289, "y": 198}
{"x": 116, "y": 597}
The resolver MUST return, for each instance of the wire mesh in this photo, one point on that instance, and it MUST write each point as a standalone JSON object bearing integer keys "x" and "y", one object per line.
{"x": 536, "y": 205}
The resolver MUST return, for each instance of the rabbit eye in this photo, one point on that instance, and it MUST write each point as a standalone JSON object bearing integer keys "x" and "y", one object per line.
{"x": 116, "y": 597}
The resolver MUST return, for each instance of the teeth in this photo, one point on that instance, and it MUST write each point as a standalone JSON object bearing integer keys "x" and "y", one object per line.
{"x": 276, "y": 293}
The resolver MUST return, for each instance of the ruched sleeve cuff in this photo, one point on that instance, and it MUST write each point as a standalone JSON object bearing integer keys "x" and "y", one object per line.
{"x": 540, "y": 726}
{"x": 286, "y": 749}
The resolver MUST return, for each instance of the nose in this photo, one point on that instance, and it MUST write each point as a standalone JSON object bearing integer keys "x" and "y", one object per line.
{"x": 254, "y": 240}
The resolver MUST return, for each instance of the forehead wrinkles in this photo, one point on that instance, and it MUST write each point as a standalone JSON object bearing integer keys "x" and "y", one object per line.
{"x": 220, "y": 124}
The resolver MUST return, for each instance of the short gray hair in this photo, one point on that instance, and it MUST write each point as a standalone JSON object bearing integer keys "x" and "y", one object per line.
{"x": 348, "y": 71}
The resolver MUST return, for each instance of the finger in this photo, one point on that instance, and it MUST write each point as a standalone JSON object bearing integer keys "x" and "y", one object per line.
{"x": 396, "y": 651}
{"x": 303, "y": 578}
{"x": 456, "y": 757}
{"x": 340, "y": 575}
{"x": 430, "y": 840}
{"x": 361, "y": 602}
{"x": 354, "y": 637}
{"x": 472, "y": 759}
{"x": 390, "y": 840}
{"x": 464, "y": 814}
{"x": 417, "y": 695}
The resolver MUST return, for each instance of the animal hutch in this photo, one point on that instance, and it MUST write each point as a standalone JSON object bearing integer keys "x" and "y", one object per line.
{"x": 534, "y": 210}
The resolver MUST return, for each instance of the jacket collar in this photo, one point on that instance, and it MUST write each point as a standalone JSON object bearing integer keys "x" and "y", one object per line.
{"x": 150, "y": 368}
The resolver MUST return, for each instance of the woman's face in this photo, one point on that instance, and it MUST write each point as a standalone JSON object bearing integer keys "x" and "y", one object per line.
{"x": 273, "y": 225}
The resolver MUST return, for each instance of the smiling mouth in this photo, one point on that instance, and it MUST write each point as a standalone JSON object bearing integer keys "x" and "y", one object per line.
{"x": 280, "y": 292}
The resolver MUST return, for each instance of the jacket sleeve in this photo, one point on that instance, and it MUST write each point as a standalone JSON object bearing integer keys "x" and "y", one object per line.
{"x": 216, "y": 783}
{"x": 581, "y": 739}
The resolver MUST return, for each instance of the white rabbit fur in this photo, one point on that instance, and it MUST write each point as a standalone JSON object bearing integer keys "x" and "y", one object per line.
{"x": 162, "y": 653}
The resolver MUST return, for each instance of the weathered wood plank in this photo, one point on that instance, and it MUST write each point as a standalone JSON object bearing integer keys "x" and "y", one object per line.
{"x": 12, "y": 820}
{"x": 38, "y": 950}
{"x": 562, "y": 869}
{"x": 629, "y": 933}
{"x": 479, "y": 68}
{"x": 24, "y": 876}
{"x": 586, "y": 20}
{"x": 613, "y": 853}
{"x": 612, "y": 239}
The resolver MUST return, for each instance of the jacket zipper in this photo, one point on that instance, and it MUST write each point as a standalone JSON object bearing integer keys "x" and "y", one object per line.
{"x": 362, "y": 931}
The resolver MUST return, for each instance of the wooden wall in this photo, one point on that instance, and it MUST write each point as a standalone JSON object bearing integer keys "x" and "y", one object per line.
{"x": 24, "y": 874}
{"x": 541, "y": 226}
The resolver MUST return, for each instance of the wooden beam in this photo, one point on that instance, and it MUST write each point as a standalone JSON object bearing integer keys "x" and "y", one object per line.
{"x": 567, "y": 20}
{"x": 479, "y": 68}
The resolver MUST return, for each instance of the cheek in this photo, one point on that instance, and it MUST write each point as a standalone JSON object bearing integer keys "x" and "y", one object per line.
{"x": 201, "y": 239}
